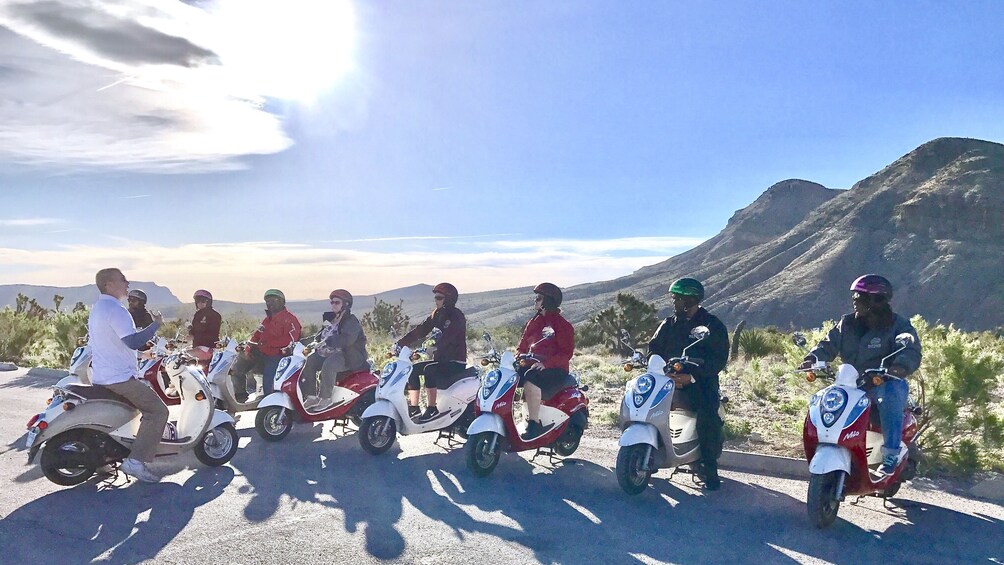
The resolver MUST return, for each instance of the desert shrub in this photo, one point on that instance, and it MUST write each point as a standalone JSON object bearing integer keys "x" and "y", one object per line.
{"x": 65, "y": 329}
{"x": 737, "y": 429}
{"x": 20, "y": 334}
{"x": 629, "y": 313}
{"x": 386, "y": 318}
{"x": 756, "y": 343}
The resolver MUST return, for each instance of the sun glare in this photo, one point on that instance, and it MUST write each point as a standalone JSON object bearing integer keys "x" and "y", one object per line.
{"x": 293, "y": 49}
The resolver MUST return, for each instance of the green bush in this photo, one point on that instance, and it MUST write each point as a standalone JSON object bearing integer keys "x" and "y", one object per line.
{"x": 20, "y": 334}
{"x": 65, "y": 329}
{"x": 629, "y": 313}
{"x": 755, "y": 343}
{"x": 386, "y": 318}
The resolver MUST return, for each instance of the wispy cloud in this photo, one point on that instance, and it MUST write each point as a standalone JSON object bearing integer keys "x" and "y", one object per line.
{"x": 419, "y": 238}
{"x": 134, "y": 196}
{"x": 242, "y": 270}
{"x": 441, "y": 188}
{"x": 159, "y": 85}
{"x": 27, "y": 222}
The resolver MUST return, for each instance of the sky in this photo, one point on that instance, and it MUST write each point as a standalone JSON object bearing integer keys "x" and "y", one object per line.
{"x": 239, "y": 145}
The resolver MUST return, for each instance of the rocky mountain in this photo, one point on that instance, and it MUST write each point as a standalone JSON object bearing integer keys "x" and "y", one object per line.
{"x": 932, "y": 222}
{"x": 157, "y": 295}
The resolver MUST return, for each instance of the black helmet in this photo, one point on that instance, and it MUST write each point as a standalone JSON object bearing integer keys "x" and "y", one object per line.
{"x": 138, "y": 294}
{"x": 549, "y": 290}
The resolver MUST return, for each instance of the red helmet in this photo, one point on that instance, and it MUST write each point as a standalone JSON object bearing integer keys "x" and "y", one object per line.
{"x": 344, "y": 295}
{"x": 448, "y": 291}
{"x": 548, "y": 289}
{"x": 203, "y": 294}
{"x": 873, "y": 284}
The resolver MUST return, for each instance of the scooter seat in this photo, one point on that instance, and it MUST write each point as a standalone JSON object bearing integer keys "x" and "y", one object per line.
{"x": 96, "y": 392}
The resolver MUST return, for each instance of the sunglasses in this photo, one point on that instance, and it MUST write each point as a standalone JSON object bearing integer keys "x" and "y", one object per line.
{"x": 438, "y": 297}
{"x": 335, "y": 301}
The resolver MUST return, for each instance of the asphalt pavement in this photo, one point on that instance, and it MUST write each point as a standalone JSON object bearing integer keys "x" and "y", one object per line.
{"x": 318, "y": 497}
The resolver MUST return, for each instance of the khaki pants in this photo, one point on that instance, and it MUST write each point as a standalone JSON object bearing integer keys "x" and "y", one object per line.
{"x": 151, "y": 426}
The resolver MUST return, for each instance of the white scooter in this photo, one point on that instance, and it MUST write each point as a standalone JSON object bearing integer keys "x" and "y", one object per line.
{"x": 86, "y": 427}
{"x": 80, "y": 365}
{"x": 388, "y": 416}
{"x": 659, "y": 431}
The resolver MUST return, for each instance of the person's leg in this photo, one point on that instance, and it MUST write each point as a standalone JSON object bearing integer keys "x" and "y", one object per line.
{"x": 308, "y": 377}
{"x": 151, "y": 427}
{"x": 531, "y": 395}
{"x": 269, "y": 364}
{"x": 333, "y": 364}
{"x": 241, "y": 368}
{"x": 709, "y": 430}
{"x": 893, "y": 396}
{"x": 414, "y": 388}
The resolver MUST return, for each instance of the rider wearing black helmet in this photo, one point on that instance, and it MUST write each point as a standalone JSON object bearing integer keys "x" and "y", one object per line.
{"x": 700, "y": 388}
{"x": 450, "y": 357}
{"x": 862, "y": 338}
{"x": 137, "y": 308}
{"x": 550, "y": 374}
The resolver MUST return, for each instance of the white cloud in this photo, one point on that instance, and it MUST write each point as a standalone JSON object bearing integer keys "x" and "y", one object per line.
{"x": 242, "y": 270}
{"x": 159, "y": 85}
{"x": 29, "y": 222}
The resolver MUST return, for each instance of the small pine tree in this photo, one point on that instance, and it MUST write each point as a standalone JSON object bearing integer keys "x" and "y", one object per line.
{"x": 386, "y": 318}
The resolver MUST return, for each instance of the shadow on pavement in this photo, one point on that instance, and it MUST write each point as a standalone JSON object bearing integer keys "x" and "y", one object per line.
{"x": 37, "y": 377}
{"x": 127, "y": 524}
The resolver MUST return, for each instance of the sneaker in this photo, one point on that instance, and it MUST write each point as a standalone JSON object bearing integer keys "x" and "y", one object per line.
{"x": 889, "y": 463}
{"x": 533, "y": 429}
{"x": 322, "y": 404}
{"x": 414, "y": 411}
{"x": 430, "y": 413}
{"x": 139, "y": 470}
{"x": 310, "y": 401}
{"x": 171, "y": 391}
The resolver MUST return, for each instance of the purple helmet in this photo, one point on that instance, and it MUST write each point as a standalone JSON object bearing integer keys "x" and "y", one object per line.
{"x": 873, "y": 284}
{"x": 203, "y": 294}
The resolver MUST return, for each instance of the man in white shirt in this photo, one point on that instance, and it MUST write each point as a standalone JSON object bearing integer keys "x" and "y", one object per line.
{"x": 114, "y": 340}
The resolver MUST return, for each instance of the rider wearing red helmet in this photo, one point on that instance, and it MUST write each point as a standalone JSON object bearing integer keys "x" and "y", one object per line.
{"x": 205, "y": 326}
{"x": 701, "y": 387}
{"x": 862, "y": 338}
{"x": 342, "y": 351}
{"x": 549, "y": 375}
{"x": 450, "y": 357}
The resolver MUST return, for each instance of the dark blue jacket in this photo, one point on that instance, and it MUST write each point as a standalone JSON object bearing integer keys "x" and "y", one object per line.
{"x": 864, "y": 348}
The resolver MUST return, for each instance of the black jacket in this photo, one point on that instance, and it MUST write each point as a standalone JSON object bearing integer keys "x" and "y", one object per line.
{"x": 674, "y": 334}
{"x": 864, "y": 347}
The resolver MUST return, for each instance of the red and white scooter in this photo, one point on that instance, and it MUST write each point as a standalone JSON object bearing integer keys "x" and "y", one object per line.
{"x": 352, "y": 396}
{"x": 843, "y": 438}
{"x": 565, "y": 416}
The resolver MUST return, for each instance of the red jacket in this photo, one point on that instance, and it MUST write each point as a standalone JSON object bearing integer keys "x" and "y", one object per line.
{"x": 554, "y": 353}
{"x": 274, "y": 332}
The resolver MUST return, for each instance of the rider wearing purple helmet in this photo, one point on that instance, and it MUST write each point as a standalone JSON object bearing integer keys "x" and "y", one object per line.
{"x": 862, "y": 338}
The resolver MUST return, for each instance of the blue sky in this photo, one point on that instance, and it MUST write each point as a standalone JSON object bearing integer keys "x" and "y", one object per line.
{"x": 307, "y": 144}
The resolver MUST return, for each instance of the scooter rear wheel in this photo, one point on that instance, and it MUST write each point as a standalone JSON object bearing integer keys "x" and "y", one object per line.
{"x": 272, "y": 423}
{"x": 821, "y": 501}
{"x": 70, "y": 458}
{"x": 218, "y": 445}
{"x": 481, "y": 455}
{"x": 568, "y": 442}
{"x": 632, "y": 468}
{"x": 377, "y": 434}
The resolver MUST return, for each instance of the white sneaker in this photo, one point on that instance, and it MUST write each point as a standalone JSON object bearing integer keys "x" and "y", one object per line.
{"x": 139, "y": 470}
{"x": 310, "y": 401}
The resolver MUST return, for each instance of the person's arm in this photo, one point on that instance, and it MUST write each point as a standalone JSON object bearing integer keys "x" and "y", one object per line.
{"x": 564, "y": 338}
{"x": 657, "y": 345}
{"x": 213, "y": 323}
{"x": 908, "y": 360}
{"x": 127, "y": 331}
{"x": 295, "y": 327}
{"x": 829, "y": 347}
{"x": 417, "y": 334}
{"x": 717, "y": 348}
{"x": 347, "y": 334}
{"x": 527, "y": 339}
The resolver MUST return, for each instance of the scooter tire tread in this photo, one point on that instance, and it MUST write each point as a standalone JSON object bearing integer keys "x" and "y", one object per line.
{"x": 50, "y": 466}
{"x": 210, "y": 461}
{"x": 261, "y": 418}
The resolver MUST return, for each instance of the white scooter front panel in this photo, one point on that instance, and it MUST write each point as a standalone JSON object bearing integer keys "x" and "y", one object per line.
{"x": 837, "y": 406}
{"x": 288, "y": 366}
{"x": 497, "y": 383}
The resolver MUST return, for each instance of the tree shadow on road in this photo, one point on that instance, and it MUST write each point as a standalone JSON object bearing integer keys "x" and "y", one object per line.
{"x": 37, "y": 377}
{"x": 120, "y": 524}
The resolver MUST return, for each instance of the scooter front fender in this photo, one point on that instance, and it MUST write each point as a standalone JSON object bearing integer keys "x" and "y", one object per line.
{"x": 70, "y": 379}
{"x": 486, "y": 422}
{"x": 276, "y": 399}
{"x": 221, "y": 417}
{"x": 830, "y": 457}
{"x": 638, "y": 433}
{"x": 382, "y": 408}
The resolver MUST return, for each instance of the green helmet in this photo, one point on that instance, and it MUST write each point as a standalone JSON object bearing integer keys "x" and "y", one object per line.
{"x": 688, "y": 287}
{"x": 275, "y": 292}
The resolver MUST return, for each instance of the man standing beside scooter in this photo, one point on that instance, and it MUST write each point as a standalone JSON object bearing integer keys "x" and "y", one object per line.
{"x": 114, "y": 341}
{"x": 274, "y": 333}
{"x": 700, "y": 388}
{"x": 862, "y": 339}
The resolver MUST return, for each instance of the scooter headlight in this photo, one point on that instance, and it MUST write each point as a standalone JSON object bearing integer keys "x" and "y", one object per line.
{"x": 282, "y": 366}
{"x": 388, "y": 370}
{"x": 492, "y": 378}
{"x": 828, "y": 418}
{"x": 638, "y": 400}
{"x": 834, "y": 400}
{"x": 643, "y": 385}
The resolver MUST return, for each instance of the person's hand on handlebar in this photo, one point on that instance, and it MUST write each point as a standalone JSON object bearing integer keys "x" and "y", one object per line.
{"x": 808, "y": 362}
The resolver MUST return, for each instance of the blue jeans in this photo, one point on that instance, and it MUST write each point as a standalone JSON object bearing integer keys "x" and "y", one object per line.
{"x": 267, "y": 364}
{"x": 891, "y": 397}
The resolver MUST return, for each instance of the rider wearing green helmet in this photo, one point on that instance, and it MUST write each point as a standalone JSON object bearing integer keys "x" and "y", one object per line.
{"x": 701, "y": 387}
{"x": 276, "y": 331}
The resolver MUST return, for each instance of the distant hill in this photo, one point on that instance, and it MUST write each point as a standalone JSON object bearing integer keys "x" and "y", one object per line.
{"x": 156, "y": 295}
{"x": 932, "y": 222}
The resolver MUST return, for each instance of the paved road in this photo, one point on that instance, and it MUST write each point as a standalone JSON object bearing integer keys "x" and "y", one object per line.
{"x": 317, "y": 497}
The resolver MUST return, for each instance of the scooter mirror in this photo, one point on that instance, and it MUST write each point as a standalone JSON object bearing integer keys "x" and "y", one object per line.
{"x": 904, "y": 339}
{"x": 798, "y": 339}
{"x": 700, "y": 332}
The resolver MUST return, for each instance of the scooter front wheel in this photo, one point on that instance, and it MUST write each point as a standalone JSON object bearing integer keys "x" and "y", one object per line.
{"x": 821, "y": 500}
{"x": 273, "y": 423}
{"x": 70, "y": 458}
{"x": 377, "y": 434}
{"x": 218, "y": 445}
{"x": 632, "y": 468}
{"x": 483, "y": 452}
